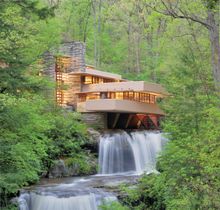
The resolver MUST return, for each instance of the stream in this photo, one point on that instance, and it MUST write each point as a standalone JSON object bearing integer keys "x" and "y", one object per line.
{"x": 123, "y": 157}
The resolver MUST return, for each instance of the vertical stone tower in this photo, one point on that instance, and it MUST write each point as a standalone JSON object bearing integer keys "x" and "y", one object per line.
{"x": 69, "y": 57}
{"x": 75, "y": 52}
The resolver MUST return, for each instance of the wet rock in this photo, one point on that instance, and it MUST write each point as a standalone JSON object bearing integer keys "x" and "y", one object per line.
{"x": 94, "y": 136}
{"x": 86, "y": 165}
{"x": 93, "y": 141}
{"x": 58, "y": 170}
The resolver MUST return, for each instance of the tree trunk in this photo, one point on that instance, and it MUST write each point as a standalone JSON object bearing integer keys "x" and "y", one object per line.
{"x": 138, "y": 66}
{"x": 215, "y": 47}
{"x": 129, "y": 57}
{"x": 95, "y": 32}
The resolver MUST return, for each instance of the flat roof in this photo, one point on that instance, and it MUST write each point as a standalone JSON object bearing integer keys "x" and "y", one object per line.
{"x": 94, "y": 72}
{"x": 137, "y": 86}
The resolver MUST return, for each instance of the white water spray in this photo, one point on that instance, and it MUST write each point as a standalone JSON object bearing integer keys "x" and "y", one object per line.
{"x": 120, "y": 152}
{"x": 49, "y": 202}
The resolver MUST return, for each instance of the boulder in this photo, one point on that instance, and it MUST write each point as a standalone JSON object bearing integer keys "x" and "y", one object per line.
{"x": 93, "y": 141}
{"x": 74, "y": 167}
{"x": 58, "y": 170}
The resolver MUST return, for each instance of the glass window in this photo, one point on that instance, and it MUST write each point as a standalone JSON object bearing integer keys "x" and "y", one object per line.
{"x": 92, "y": 96}
{"x": 131, "y": 96}
{"x": 119, "y": 95}
{"x": 136, "y": 96}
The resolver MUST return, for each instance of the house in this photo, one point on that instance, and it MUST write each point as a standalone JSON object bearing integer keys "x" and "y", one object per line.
{"x": 105, "y": 99}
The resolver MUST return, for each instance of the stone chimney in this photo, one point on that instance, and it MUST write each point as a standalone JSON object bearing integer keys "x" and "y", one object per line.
{"x": 75, "y": 53}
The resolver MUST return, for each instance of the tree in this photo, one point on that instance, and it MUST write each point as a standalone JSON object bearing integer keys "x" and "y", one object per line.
{"x": 23, "y": 39}
{"x": 189, "y": 164}
{"x": 204, "y": 12}
{"x": 33, "y": 130}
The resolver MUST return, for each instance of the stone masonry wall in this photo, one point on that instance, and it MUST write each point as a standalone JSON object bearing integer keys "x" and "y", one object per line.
{"x": 97, "y": 121}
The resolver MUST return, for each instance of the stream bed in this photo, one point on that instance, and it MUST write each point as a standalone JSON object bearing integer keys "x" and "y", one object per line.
{"x": 84, "y": 193}
{"x": 123, "y": 157}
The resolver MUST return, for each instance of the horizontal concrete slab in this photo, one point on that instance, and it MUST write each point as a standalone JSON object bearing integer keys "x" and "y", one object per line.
{"x": 122, "y": 106}
{"x": 137, "y": 86}
{"x": 98, "y": 73}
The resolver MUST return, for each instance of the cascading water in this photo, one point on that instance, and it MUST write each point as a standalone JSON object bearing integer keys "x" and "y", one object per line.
{"x": 81, "y": 195}
{"x": 49, "y": 202}
{"x": 121, "y": 152}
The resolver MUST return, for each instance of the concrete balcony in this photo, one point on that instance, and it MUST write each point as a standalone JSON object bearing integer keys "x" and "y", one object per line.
{"x": 120, "y": 106}
{"x": 136, "y": 86}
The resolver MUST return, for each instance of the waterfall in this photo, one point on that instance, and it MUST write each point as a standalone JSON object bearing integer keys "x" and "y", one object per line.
{"x": 51, "y": 202}
{"x": 121, "y": 152}
{"x": 24, "y": 201}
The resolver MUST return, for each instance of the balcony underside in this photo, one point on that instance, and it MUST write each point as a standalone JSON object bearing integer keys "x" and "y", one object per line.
{"x": 119, "y": 106}
{"x": 133, "y": 121}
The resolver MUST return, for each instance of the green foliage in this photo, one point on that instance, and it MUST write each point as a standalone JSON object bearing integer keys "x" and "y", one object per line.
{"x": 31, "y": 138}
{"x": 33, "y": 132}
{"x": 113, "y": 205}
{"x": 189, "y": 165}
{"x": 67, "y": 133}
{"x": 84, "y": 162}
{"x": 146, "y": 195}
{"x": 22, "y": 139}
{"x": 23, "y": 39}
{"x": 10, "y": 207}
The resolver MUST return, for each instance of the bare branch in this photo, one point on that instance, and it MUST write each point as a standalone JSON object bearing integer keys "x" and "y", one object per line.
{"x": 169, "y": 11}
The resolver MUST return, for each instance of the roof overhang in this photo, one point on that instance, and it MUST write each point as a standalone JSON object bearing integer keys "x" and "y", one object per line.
{"x": 122, "y": 106}
{"x": 98, "y": 73}
{"x": 137, "y": 86}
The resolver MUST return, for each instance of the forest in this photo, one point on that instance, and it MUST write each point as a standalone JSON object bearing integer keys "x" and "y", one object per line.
{"x": 172, "y": 42}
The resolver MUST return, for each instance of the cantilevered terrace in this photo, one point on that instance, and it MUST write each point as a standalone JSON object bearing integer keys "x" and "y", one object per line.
{"x": 102, "y": 92}
{"x": 129, "y": 96}
{"x": 121, "y": 103}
